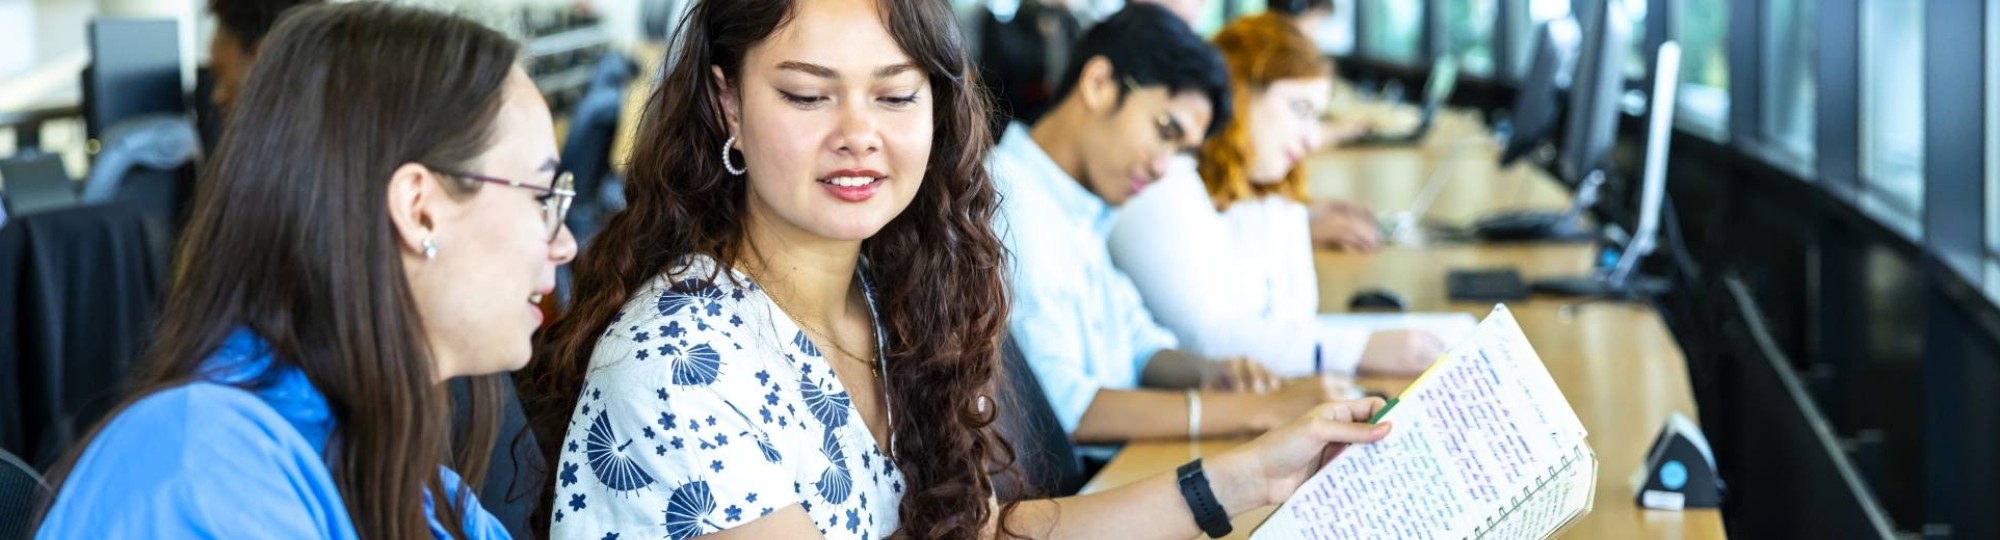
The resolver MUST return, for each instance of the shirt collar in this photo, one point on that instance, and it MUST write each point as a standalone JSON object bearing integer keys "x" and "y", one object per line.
{"x": 245, "y": 361}
{"x": 1075, "y": 201}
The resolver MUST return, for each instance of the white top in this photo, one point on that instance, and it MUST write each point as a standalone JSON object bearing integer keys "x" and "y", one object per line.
{"x": 706, "y": 408}
{"x": 1078, "y": 320}
{"x": 1234, "y": 283}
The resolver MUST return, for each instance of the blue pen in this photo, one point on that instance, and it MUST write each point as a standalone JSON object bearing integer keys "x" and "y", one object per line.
{"x": 1316, "y": 358}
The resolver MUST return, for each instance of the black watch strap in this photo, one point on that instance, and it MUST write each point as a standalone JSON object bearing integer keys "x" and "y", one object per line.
{"x": 1208, "y": 513}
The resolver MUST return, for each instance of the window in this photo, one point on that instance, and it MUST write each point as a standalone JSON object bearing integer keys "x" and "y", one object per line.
{"x": 1543, "y": 10}
{"x": 17, "y": 39}
{"x": 1636, "y": 63}
{"x": 1469, "y": 33}
{"x": 1790, "y": 63}
{"x": 1892, "y": 107}
{"x": 1704, "y": 90}
{"x": 1335, "y": 35}
{"x": 1992, "y": 94}
{"x": 1210, "y": 21}
{"x": 1393, "y": 30}
{"x": 1539, "y": 12}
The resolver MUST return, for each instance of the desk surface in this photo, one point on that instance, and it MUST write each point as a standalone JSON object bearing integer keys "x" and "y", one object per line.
{"x": 1616, "y": 363}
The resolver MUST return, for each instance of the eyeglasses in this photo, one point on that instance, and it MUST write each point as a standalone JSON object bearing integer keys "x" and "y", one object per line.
{"x": 1306, "y": 110}
{"x": 555, "y": 199}
{"x": 1172, "y": 133}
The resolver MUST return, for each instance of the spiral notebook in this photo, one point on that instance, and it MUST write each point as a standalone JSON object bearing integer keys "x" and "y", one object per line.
{"x": 1484, "y": 446}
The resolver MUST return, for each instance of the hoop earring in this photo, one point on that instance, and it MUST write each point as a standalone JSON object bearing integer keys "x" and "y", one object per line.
{"x": 726, "y": 165}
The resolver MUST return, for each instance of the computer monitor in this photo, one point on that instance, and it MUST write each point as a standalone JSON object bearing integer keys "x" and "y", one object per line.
{"x": 135, "y": 70}
{"x": 1538, "y": 104}
{"x": 1621, "y": 278}
{"x": 1437, "y": 89}
{"x": 1653, "y": 174}
{"x": 1591, "y": 126}
{"x": 1599, "y": 82}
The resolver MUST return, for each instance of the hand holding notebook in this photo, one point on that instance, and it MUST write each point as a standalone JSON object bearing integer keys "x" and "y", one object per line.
{"x": 1484, "y": 446}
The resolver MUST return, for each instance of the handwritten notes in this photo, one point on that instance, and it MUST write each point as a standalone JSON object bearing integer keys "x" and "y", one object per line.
{"x": 1483, "y": 440}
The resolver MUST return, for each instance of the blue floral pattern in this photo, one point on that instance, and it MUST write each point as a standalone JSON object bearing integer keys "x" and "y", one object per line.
{"x": 706, "y": 408}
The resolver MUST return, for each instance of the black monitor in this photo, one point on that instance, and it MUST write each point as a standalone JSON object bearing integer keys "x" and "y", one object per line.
{"x": 1592, "y": 123}
{"x": 1589, "y": 129}
{"x": 1620, "y": 279}
{"x": 1538, "y": 104}
{"x": 135, "y": 70}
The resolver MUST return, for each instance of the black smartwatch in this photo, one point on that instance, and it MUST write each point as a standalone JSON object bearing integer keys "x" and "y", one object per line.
{"x": 1208, "y": 513}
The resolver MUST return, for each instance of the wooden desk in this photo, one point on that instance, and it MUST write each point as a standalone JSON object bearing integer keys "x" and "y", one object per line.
{"x": 1616, "y": 363}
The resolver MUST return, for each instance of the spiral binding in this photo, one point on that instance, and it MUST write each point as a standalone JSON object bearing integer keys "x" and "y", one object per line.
{"x": 1573, "y": 457}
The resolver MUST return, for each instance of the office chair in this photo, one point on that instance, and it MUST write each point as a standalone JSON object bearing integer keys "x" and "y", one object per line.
{"x": 79, "y": 296}
{"x": 515, "y": 470}
{"x": 1046, "y": 463}
{"x": 21, "y": 491}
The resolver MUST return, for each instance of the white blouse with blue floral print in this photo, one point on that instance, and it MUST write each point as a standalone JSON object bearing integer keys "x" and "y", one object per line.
{"x": 704, "y": 409}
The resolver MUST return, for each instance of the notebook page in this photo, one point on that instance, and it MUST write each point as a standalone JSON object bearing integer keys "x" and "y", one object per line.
{"x": 1469, "y": 435}
{"x": 1400, "y": 487}
{"x": 1563, "y": 494}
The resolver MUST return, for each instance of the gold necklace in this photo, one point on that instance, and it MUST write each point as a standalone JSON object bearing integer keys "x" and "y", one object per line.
{"x": 873, "y": 371}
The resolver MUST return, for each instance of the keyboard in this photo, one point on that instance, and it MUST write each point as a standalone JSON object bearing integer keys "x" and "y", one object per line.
{"x": 1485, "y": 285}
{"x": 1529, "y": 226}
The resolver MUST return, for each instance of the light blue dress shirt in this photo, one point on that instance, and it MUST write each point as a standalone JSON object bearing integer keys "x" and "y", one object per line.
{"x": 237, "y": 455}
{"x": 1078, "y": 320}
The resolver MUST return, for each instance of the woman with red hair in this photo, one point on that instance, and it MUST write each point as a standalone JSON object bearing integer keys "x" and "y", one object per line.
{"x": 1221, "y": 248}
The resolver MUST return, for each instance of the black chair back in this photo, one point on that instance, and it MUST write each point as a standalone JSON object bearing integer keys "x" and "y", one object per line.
{"x": 1045, "y": 459}
{"x": 79, "y": 292}
{"x": 21, "y": 492}
{"x": 511, "y": 489}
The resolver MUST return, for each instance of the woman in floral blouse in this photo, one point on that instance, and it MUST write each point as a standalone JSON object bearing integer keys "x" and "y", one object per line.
{"x": 793, "y": 331}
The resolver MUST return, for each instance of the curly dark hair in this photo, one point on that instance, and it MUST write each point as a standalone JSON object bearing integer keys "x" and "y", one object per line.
{"x": 938, "y": 264}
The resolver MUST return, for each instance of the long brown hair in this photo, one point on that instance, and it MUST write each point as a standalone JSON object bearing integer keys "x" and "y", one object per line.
{"x": 1260, "y": 50}
{"x": 938, "y": 264}
{"x": 291, "y": 238}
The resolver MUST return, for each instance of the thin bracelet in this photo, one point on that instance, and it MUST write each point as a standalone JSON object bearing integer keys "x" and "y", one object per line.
{"x": 1194, "y": 414}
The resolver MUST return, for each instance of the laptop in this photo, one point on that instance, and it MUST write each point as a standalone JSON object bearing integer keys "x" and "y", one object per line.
{"x": 36, "y": 183}
{"x": 1443, "y": 78}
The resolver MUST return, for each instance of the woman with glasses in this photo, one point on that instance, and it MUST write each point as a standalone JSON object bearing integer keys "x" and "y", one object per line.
{"x": 387, "y": 222}
{"x": 1222, "y": 251}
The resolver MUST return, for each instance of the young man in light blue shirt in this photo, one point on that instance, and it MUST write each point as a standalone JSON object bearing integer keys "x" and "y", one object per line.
{"x": 1141, "y": 88}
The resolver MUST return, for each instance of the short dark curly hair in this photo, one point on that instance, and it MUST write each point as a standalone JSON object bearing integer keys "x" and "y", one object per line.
{"x": 1151, "y": 46}
{"x": 250, "y": 20}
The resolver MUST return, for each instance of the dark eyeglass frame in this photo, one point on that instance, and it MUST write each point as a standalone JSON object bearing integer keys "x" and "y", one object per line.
{"x": 555, "y": 198}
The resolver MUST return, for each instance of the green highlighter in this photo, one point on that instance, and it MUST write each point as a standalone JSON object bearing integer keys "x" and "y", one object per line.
{"x": 1377, "y": 419}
